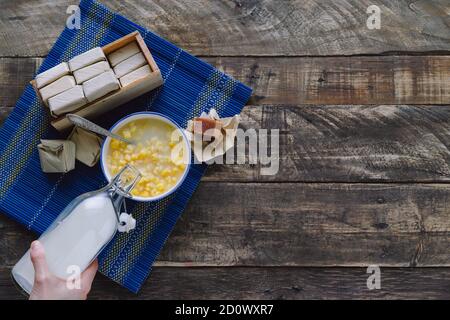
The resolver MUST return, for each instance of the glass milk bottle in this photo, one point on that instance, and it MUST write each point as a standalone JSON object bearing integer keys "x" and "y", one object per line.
{"x": 82, "y": 230}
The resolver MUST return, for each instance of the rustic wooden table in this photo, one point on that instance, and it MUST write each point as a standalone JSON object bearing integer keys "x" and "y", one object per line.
{"x": 364, "y": 119}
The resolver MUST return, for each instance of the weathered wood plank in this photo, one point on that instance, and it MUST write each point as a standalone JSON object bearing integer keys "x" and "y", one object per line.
{"x": 290, "y": 283}
{"x": 4, "y": 112}
{"x": 272, "y": 224}
{"x": 269, "y": 283}
{"x": 313, "y": 225}
{"x": 15, "y": 73}
{"x": 343, "y": 80}
{"x": 256, "y": 27}
{"x": 348, "y": 144}
{"x": 303, "y": 80}
{"x": 325, "y": 143}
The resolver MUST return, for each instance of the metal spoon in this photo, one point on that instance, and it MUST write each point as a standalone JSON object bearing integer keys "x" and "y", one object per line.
{"x": 88, "y": 125}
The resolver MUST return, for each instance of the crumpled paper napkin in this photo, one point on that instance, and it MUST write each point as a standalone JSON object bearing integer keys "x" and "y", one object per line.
{"x": 224, "y": 132}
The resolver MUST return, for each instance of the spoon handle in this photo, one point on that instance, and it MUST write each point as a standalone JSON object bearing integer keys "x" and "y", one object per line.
{"x": 88, "y": 125}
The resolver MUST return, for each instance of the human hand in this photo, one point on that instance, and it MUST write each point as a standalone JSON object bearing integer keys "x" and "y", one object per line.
{"x": 49, "y": 287}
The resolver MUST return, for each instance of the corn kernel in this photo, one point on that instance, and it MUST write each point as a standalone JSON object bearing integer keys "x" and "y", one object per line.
{"x": 152, "y": 156}
{"x": 126, "y": 134}
{"x": 115, "y": 144}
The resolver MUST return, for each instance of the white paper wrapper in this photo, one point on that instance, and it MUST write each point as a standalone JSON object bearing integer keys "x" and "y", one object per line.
{"x": 123, "y": 53}
{"x": 100, "y": 86}
{"x": 67, "y": 101}
{"x": 56, "y": 87}
{"x": 57, "y": 155}
{"x": 137, "y": 74}
{"x": 88, "y": 146}
{"x": 129, "y": 65}
{"x": 89, "y": 72}
{"x": 226, "y": 129}
{"x": 52, "y": 74}
{"x": 87, "y": 58}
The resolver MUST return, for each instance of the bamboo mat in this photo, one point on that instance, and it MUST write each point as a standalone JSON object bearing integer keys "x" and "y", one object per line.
{"x": 34, "y": 199}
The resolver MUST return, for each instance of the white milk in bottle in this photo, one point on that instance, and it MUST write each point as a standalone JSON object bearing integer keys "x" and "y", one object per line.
{"x": 81, "y": 231}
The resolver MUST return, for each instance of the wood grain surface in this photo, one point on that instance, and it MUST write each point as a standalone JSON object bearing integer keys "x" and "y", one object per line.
{"x": 399, "y": 143}
{"x": 364, "y": 148}
{"x": 269, "y": 283}
{"x": 343, "y": 80}
{"x": 244, "y": 28}
{"x": 15, "y": 74}
{"x": 272, "y": 224}
{"x": 303, "y": 80}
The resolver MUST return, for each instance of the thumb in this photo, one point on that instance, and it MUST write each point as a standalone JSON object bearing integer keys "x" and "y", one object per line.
{"x": 37, "y": 254}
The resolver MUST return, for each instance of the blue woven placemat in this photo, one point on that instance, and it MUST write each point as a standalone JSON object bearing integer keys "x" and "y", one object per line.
{"x": 35, "y": 199}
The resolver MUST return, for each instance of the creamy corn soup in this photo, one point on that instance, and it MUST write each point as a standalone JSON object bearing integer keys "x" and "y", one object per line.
{"x": 158, "y": 155}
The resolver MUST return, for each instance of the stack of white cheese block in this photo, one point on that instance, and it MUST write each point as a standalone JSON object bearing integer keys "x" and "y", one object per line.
{"x": 129, "y": 64}
{"x": 90, "y": 76}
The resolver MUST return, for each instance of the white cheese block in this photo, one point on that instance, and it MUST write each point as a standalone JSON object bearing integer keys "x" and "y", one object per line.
{"x": 123, "y": 53}
{"x": 135, "y": 75}
{"x": 89, "y": 57}
{"x": 52, "y": 74}
{"x": 100, "y": 85}
{"x": 67, "y": 101}
{"x": 56, "y": 87}
{"x": 129, "y": 65}
{"x": 89, "y": 72}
